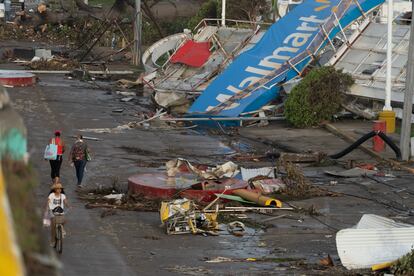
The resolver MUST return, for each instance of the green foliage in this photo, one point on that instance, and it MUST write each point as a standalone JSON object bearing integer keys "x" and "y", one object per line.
{"x": 404, "y": 265}
{"x": 317, "y": 97}
{"x": 106, "y": 3}
{"x": 177, "y": 26}
{"x": 149, "y": 33}
{"x": 207, "y": 10}
{"x": 245, "y": 9}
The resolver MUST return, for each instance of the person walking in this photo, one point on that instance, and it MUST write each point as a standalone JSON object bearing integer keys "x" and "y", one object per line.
{"x": 57, "y": 163}
{"x": 79, "y": 156}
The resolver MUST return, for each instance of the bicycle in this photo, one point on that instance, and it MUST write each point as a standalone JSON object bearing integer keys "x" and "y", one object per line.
{"x": 59, "y": 220}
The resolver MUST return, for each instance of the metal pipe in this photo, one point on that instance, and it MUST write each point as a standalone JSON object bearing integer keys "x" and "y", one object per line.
{"x": 137, "y": 34}
{"x": 68, "y": 72}
{"x": 223, "y": 13}
{"x": 225, "y": 119}
{"x": 405, "y": 138}
{"x": 390, "y": 14}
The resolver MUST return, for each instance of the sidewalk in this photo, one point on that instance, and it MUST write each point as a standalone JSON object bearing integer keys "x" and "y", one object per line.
{"x": 317, "y": 139}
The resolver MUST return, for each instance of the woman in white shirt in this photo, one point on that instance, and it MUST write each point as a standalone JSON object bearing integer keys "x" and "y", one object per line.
{"x": 56, "y": 203}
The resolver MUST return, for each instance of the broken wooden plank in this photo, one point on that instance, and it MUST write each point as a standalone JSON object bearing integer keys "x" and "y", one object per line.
{"x": 302, "y": 157}
{"x": 88, "y": 138}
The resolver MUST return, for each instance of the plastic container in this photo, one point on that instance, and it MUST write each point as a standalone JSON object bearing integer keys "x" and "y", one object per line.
{"x": 389, "y": 117}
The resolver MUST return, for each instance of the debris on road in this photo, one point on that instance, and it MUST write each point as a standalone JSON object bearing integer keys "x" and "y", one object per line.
{"x": 180, "y": 216}
{"x": 126, "y": 94}
{"x": 258, "y": 198}
{"x": 54, "y": 63}
{"x": 354, "y": 172}
{"x": 228, "y": 169}
{"x": 297, "y": 185}
{"x": 236, "y": 228}
{"x": 127, "y": 99}
{"x": 268, "y": 186}
{"x": 404, "y": 265}
{"x": 374, "y": 240}
{"x": 219, "y": 260}
{"x": 16, "y": 78}
{"x": 326, "y": 261}
{"x": 316, "y": 157}
{"x": 252, "y": 173}
{"x": 129, "y": 202}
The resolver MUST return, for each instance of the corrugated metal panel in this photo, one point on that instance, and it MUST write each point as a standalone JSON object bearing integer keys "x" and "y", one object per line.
{"x": 380, "y": 240}
{"x": 366, "y": 59}
{"x": 250, "y": 173}
{"x": 369, "y": 221}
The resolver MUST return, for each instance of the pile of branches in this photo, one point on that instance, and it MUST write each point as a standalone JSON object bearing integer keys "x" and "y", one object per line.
{"x": 404, "y": 265}
{"x": 297, "y": 185}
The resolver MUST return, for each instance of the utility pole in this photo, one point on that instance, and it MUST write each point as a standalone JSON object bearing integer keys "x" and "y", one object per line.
{"x": 223, "y": 13}
{"x": 408, "y": 98}
{"x": 136, "y": 57}
{"x": 387, "y": 114}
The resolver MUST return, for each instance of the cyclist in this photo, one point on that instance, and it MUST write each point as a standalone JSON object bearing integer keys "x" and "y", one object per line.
{"x": 56, "y": 204}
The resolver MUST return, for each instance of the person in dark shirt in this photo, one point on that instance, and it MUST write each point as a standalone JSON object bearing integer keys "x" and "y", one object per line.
{"x": 79, "y": 156}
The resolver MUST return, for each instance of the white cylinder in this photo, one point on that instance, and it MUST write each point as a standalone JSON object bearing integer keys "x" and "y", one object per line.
{"x": 412, "y": 146}
{"x": 388, "y": 87}
{"x": 223, "y": 13}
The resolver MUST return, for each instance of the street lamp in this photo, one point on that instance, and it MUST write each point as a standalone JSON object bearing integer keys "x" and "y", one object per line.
{"x": 387, "y": 113}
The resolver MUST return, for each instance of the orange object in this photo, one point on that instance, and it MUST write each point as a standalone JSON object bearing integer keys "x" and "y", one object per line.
{"x": 367, "y": 166}
{"x": 378, "y": 143}
{"x": 257, "y": 198}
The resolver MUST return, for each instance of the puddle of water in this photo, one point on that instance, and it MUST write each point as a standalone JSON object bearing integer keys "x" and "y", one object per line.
{"x": 224, "y": 149}
{"x": 247, "y": 246}
{"x": 241, "y": 147}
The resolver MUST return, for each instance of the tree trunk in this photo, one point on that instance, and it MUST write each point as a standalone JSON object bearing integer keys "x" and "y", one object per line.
{"x": 83, "y": 7}
{"x": 148, "y": 13}
{"x": 151, "y": 16}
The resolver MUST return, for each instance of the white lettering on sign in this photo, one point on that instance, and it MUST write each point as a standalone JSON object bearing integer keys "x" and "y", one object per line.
{"x": 292, "y": 44}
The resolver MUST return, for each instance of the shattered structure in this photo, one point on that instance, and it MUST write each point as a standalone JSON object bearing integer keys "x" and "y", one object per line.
{"x": 365, "y": 60}
{"x": 265, "y": 60}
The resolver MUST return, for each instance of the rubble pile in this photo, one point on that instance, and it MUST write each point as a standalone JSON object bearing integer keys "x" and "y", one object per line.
{"x": 54, "y": 64}
{"x": 297, "y": 185}
{"x": 128, "y": 202}
{"x": 76, "y": 33}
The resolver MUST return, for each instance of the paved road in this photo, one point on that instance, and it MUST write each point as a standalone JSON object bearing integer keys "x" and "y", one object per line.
{"x": 132, "y": 243}
{"x": 46, "y": 109}
{"x": 129, "y": 243}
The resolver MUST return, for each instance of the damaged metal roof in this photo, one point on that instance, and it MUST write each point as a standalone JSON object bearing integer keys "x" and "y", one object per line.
{"x": 366, "y": 61}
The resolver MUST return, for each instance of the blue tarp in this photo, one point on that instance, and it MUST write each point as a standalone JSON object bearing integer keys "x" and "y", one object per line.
{"x": 284, "y": 40}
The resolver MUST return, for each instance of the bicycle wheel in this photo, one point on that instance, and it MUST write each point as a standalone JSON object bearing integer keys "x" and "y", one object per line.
{"x": 59, "y": 239}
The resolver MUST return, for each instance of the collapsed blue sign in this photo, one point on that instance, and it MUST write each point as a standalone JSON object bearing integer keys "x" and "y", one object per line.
{"x": 284, "y": 40}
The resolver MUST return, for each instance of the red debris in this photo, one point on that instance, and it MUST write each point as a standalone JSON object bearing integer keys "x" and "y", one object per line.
{"x": 192, "y": 53}
{"x": 160, "y": 186}
{"x": 16, "y": 78}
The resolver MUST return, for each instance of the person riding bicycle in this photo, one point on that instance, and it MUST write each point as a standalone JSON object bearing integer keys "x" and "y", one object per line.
{"x": 56, "y": 205}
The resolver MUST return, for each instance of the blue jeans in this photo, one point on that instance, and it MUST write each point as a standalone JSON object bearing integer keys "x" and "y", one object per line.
{"x": 80, "y": 168}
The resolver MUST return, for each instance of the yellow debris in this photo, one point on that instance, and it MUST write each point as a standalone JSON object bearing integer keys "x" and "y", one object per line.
{"x": 10, "y": 262}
